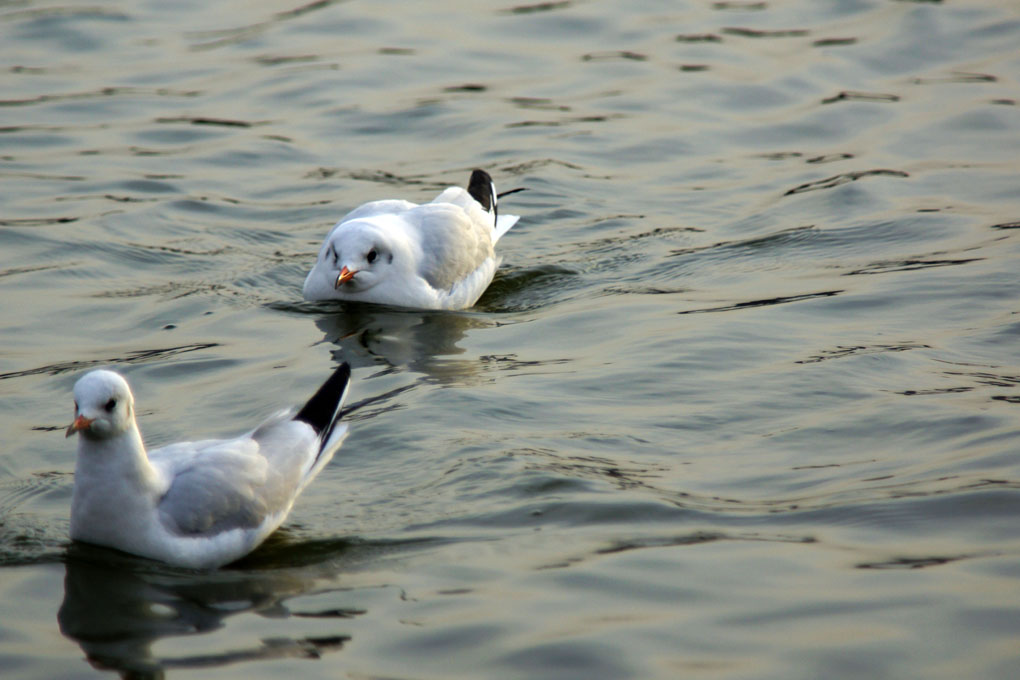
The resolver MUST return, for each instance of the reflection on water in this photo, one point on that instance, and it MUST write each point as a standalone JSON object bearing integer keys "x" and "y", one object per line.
{"x": 420, "y": 341}
{"x": 117, "y": 607}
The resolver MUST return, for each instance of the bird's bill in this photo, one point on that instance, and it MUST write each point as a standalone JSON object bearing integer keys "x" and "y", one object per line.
{"x": 345, "y": 276}
{"x": 80, "y": 423}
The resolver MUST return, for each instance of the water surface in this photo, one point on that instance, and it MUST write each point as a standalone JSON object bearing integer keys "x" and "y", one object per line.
{"x": 741, "y": 402}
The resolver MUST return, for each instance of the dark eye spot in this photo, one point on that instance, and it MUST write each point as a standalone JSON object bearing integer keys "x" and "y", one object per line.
{"x": 371, "y": 256}
{"x": 76, "y": 406}
{"x": 110, "y": 405}
{"x": 332, "y": 252}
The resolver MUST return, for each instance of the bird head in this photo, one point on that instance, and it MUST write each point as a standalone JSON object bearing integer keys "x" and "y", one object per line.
{"x": 103, "y": 405}
{"x": 357, "y": 257}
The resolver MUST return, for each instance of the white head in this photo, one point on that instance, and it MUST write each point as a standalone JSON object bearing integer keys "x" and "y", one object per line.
{"x": 103, "y": 406}
{"x": 358, "y": 256}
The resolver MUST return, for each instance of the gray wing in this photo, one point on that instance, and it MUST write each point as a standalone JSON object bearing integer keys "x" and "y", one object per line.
{"x": 453, "y": 243}
{"x": 235, "y": 484}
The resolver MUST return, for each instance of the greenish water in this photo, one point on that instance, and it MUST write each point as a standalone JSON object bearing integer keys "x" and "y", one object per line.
{"x": 743, "y": 400}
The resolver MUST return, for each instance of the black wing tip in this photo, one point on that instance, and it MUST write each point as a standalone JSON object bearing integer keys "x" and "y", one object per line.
{"x": 323, "y": 409}
{"x": 482, "y": 189}
{"x": 510, "y": 191}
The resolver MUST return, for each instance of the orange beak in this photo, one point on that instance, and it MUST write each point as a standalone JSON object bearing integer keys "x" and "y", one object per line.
{"x": 345, "y": 276}
{"x": 80, "y": 423}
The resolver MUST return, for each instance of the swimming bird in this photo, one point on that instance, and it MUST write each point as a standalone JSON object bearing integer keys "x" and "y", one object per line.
{"x": 436, "y": 255}
{"x": 196, "y": 504}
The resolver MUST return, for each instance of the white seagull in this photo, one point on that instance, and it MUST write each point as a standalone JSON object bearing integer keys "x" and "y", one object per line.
{"x": 436, "y": 255}
{"x": 193, "y": 504}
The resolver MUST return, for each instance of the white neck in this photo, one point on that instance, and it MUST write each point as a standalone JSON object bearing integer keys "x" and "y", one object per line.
{"x": 114, "y": 483}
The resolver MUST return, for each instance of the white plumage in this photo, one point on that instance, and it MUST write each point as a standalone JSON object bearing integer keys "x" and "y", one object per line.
{"x": 193, "y": 504}
{"x": 436, "y": 255}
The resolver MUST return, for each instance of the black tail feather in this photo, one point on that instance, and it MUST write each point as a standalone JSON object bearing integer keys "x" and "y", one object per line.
{"x": 482, "y": 189}
{"x": 510, "y": 191}
{"x": 323, "y": 409}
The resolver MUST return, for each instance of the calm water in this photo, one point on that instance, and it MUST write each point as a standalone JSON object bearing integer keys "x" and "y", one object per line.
{"x": 743, "y": 400}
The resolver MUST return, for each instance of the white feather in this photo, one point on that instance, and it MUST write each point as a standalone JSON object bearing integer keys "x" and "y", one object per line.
{"x": 437, "y": 255}
{"x": 194, "y": 504}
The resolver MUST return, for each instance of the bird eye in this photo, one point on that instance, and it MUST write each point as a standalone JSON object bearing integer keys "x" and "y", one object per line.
{"x": 371, "y": 256}
{"x": 76, "y": 406}
{"x": 332, "y": 251}
{"x": 110, "y": 405}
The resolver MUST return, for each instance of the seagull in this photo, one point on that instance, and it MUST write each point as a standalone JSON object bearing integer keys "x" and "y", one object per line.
{"x": 193, "y": 504}
{"x": 436, "y": 255}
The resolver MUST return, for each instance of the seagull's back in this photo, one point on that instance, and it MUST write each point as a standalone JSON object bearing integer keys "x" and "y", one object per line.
{"x": 248, "y": 483}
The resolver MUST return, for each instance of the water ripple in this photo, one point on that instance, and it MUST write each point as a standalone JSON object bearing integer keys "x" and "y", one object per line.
{"x": 834, "y": 455}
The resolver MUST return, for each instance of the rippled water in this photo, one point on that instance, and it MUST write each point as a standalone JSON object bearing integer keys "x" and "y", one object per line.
{"x": 743, "y": 400}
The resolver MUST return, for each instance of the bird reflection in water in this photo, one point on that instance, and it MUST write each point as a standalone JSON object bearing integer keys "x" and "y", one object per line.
{"x": 116, "y": 607}
{"x": 419, "y": 341}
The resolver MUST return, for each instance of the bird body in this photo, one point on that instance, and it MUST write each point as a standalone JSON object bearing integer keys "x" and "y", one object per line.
{"x": 194, "y": 504}
{"x": 437, "y": 255}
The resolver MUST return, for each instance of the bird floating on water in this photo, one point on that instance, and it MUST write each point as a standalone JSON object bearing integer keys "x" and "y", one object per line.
{"x": 436, "y": 255}
{"x": 194, "y": 504}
